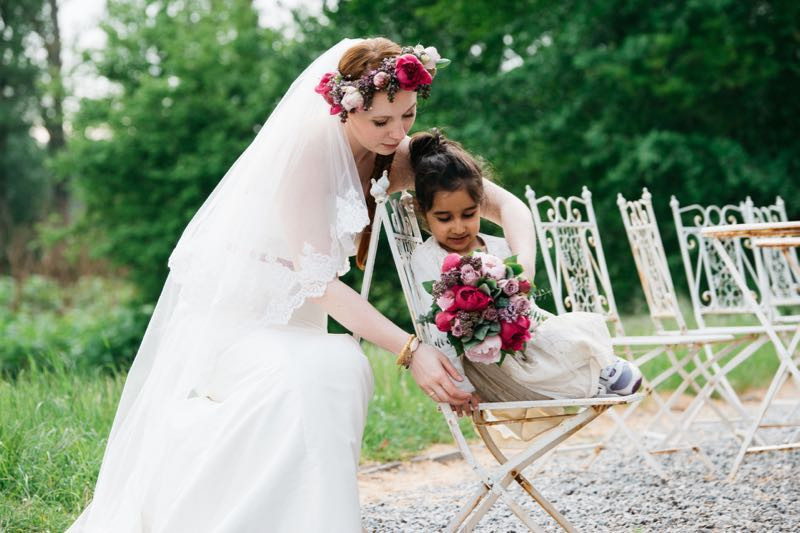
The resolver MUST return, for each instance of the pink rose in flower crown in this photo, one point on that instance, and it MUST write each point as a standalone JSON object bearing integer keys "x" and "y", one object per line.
{"x": 323, "y": 88}
{"x": 450, "y": 262}
{"x": 380, "y": 79}
{"x": 446, "y": 300}
{"x": 515, "y": 334}
{"x": 486, "y": 352}
{"x": 443, "y": 320}
{"x": 469, "y": 276}
{"x": 491, "y": 266}
{"x": 471, "y": 299}
{"x": 411, "y": 73}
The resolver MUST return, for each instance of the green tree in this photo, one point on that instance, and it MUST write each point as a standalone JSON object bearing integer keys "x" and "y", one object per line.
{"x": 696, "y": 99}
{"x": 193, "y": 81}
{"x": 22, "y": 177}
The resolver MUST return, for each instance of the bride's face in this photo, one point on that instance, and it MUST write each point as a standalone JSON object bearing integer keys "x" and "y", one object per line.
{"x": 385, "y": 125}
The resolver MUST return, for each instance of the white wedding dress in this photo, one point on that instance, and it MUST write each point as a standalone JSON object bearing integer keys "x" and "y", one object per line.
{"x": 270, "y": 443}
{"x": 240, "y": 413}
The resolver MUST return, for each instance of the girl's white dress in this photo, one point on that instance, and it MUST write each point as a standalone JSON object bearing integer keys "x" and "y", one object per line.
{"x": 566, "y": 352}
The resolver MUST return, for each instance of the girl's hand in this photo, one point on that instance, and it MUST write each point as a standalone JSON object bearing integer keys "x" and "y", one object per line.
{"x": 469, "y": 407}
{"x": 432, "y": 370}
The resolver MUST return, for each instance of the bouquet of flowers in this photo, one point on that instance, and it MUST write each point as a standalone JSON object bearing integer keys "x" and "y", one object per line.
{"x": 483, "y": 304}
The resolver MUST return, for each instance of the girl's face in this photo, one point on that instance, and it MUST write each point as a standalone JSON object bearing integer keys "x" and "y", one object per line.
{"x": 454, "y": 220}
{"x": 385, "y": 125}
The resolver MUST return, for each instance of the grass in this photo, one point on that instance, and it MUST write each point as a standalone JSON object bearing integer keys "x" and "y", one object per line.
{"x": 54, "y": 422}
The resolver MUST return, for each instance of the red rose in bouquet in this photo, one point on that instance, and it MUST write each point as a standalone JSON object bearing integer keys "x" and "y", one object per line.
{"x": 515, "y": 334}
{"x": 471, "y": 299}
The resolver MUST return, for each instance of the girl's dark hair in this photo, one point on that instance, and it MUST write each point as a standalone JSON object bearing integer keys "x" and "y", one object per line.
{"x": 443, "y": 165}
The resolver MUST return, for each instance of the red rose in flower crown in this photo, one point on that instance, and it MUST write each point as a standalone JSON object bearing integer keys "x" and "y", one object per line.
{"x": 324, "y": 88}
{"x": 410, "y": 72}
{"x": 470, "y": 299}
{"x": 515, "y": 334}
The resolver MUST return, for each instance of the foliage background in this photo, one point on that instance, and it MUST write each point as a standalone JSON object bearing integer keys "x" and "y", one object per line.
{"x": 696, "y": 98}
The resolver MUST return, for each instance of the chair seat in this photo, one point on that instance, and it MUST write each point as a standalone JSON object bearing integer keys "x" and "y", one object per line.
{"x": 670, "y": 339}
{"x": 573, "y": 402}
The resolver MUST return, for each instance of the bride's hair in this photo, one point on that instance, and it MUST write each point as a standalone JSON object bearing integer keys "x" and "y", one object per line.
{"x": 367, "y": 55}
{"x": 443, "y": 165}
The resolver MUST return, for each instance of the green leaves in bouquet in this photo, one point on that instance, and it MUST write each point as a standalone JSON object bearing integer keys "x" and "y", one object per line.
{"x": 428, "y": 286}
{"x": 502, "y": 301}
{"x": 456, "y": 343}
{"x": 481, "y": 332}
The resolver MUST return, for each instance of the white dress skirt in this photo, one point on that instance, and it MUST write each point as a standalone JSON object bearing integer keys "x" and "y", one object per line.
{"x": 270, "y": 442}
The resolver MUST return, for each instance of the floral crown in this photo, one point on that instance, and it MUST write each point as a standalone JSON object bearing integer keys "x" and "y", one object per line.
{"x": 410, "y": 71}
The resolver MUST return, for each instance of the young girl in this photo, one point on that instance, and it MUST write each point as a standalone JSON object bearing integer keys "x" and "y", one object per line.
{"x": 568, "y": 356}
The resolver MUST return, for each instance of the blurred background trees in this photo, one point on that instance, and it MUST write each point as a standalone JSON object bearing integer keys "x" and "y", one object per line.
{"x": 692, "y": 98}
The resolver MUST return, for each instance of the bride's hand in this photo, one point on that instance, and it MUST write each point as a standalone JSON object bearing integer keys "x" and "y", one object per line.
{"x": 432, "y": 371}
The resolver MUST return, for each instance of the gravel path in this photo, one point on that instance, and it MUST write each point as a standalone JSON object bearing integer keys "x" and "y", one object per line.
{"x": 617, "y": 494}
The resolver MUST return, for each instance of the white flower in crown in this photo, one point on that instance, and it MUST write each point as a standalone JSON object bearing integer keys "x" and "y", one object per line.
{"x": 352, "y": 98}
{"x": 429, "y": 57}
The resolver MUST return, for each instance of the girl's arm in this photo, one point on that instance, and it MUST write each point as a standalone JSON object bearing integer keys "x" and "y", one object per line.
{"x": 429, "y": 366}
{"x": 515, "y": 218}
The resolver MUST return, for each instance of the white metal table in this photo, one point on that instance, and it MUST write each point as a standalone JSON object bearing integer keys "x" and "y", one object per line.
{"x": 782, "y": 235}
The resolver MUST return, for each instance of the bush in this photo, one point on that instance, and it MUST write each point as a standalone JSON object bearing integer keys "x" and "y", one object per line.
{"x": 95, "y": 323}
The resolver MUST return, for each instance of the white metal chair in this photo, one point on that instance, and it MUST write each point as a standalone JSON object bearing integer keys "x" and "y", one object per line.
{"x": 649, "y": 255}
{"x": 397, "y": 217}
{"x": 576, "y": 268}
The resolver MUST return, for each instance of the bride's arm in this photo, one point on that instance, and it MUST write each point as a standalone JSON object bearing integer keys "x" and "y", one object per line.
{"x": 501, "y": 207}
{"x": 429, "y": 366}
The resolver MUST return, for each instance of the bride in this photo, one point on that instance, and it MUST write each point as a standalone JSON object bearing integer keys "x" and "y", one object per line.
{"x": 240, "y": 412}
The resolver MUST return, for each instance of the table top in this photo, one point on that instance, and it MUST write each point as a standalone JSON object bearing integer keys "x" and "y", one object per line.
{"x": 776, "y": 242}
{"x": 762, "y": 229}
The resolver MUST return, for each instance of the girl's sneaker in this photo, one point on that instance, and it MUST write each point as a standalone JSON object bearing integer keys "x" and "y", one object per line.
{"x": 620, "y": 378}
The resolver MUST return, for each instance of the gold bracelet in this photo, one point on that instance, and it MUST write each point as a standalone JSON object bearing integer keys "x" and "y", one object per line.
{"x": 404, "y": 359}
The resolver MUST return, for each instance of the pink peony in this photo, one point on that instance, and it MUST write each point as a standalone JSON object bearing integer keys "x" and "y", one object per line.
{"x": 486, "y": 352}
{"x": 411, "y": 73}
{"x": 471, "y": 299}
{"x": 469, "y": 276}
{"x": 443, "y": 320}
{"x": 446, "y": 300}
{"x": 491, "y": 266}
{"x": 515, "y": 334}
{"x": 450, "y": 262}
